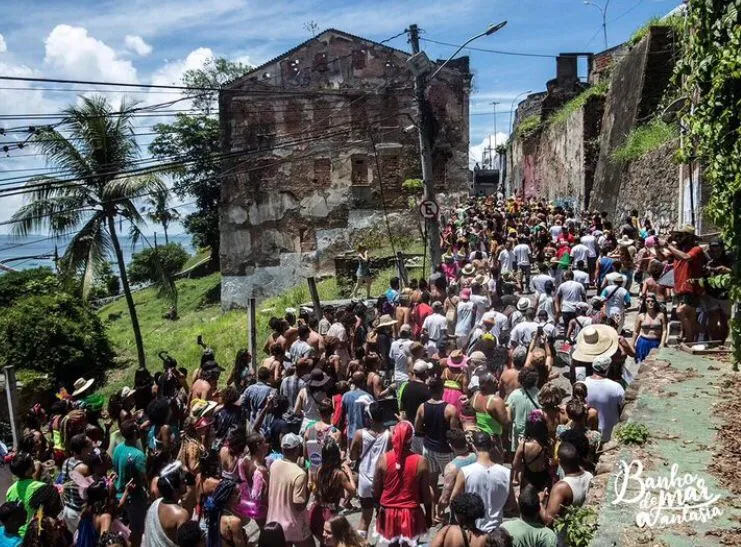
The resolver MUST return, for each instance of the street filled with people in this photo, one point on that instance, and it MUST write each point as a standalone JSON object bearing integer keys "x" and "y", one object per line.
{"x": 467, "y": 407}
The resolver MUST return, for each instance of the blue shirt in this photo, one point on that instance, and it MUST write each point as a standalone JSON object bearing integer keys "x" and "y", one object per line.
{"x": 354, "y": 404}
{"x": 392, "y": 295}
{"x": 9, "y": 541}
{"x": 254, "y": 398}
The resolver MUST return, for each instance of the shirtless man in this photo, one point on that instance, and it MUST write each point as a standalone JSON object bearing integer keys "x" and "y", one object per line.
{"x": 165, "y": 515}
{"x": 205, "y": 387}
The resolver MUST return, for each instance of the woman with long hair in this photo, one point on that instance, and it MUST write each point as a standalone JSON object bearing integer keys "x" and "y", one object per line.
{"x": 533, "y": 456}
{"x": 334, "y": 481}
{"x": 338, "y": 532}
{"x": 256, "y": 479}
{"x": 225, "y": 525}
{"x": 99, "y": 515}
{"x": 465, "y": 509}
{"x": 206, "y": 481}
{"x": 650, "y": 331}
{"x": 272, "y": 536}
{"x": 231, "y": 455}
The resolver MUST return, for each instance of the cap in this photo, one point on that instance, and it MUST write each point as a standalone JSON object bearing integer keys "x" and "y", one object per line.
{"x": 477, "y": 357}
{"x": 405, "y": 328}
{"x": 602, "y": 363}
{"x": 437, "y": 305}
{"x": 290, "y": 441}
{"x": 420, "y": 365}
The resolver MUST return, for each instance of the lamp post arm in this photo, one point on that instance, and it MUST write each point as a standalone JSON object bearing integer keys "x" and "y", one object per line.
{"x": 487, "y": 32}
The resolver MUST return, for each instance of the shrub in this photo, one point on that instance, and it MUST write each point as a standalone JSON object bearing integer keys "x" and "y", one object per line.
{"x": 528, "y": 126}
{"x": 144, "y": 267}
{"x": 15, "y": 285}
{"x": 643, "y": 139}
{"x": 578, "y": 102}
{"x": 579, "y": 524}
{"x": 675, "y": 21}
{"x": 413, "y": 185}
{"x": 54, "y": 334}
{"x": 632, "y": 433}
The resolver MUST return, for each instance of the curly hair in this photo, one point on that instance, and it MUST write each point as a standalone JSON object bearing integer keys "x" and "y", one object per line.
{"x": 528, "y": 378}
{"x": 499, "y": 538}
{"x": 550, "y": 396}
{"x": 158, "y": 411}
{"x": 536, "y": 427}
{"x": 467, "y": 507}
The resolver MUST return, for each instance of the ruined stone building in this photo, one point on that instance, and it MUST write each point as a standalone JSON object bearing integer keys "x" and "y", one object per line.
{"x": 318, "y": 142}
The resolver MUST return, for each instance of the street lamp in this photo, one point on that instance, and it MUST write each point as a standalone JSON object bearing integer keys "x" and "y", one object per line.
{"x": 603, "y": 11}
{"x": 425, "y": 146}
{"x": 488, "y": 32}
{"x": 512, "y": 106}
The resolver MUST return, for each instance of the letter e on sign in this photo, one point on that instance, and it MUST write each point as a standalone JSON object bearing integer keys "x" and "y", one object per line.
{"x": 429, "y": 209}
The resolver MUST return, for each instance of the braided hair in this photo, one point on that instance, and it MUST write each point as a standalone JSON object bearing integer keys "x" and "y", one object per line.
{"x": 214, "y": 507}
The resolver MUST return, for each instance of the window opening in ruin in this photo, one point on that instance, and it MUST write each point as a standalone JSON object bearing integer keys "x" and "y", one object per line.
{"x": 359, "y": 171}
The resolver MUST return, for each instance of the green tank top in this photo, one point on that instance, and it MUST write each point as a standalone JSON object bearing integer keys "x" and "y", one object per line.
{"x": 486, "y": 421}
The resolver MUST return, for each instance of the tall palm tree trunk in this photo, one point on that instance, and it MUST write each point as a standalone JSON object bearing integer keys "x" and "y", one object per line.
{"x": 127, "y": 293}
{"x": 164, "y": 228}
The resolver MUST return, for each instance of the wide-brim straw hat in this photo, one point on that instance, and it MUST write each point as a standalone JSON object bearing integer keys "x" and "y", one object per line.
{"x": 386, "y": 321}
{"x": 593, "y": 341}
{"x": 81, "y": 386}
{"x": 625, "y": 241}
{"x": 468, "y": 269}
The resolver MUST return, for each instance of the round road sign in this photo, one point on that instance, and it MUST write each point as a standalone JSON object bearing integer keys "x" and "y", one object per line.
{"x": 429, "y": 209}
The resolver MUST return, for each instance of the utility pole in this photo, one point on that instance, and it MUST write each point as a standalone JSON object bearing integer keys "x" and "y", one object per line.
{"x": 425, "y": 149}
{"x": 499, "y": 156}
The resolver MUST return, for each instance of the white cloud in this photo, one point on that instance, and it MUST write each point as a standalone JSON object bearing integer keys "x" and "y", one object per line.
{"x": 476, "y": 152}
{"x": 3, "y": 45}
{"x": 172, "y": 72}
{"x": 74, "y": 53}
{"x": 137, "y": 45}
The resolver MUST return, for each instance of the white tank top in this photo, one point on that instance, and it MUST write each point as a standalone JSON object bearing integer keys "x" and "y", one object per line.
{"x": 371, "y": 450}
{"x": 579, "y": 487}
{"x": 492, "y": 484}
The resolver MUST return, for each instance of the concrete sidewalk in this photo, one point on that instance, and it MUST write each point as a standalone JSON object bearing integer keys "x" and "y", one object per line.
{"x": 677, "y": 397}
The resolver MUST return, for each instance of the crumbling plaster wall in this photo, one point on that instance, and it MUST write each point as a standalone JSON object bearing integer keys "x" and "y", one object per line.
{"x": 321, "y": 168}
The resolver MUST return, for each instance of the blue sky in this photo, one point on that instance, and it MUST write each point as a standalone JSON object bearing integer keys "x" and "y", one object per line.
{"x": 144, "y": 42}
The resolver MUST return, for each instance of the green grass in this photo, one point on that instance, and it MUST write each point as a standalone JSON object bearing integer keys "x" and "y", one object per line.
{"x": 528, "y": 126}
{"x": 675, "y": 21}
{"x": 643, "y": 139}
{"x": 578, "y": 102}
{"x": 200, "y": 313}
{"x": 200, "y": 255}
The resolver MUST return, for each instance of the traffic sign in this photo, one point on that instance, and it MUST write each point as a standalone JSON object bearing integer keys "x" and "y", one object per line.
{"x": 429, "y": 209}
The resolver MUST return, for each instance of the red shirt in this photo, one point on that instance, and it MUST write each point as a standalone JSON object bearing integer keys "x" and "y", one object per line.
{"x": 419, "y": 313}
{"x": 689, "y": 269}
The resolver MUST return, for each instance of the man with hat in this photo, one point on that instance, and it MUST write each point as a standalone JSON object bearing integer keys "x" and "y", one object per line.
{"x": 689, "y": 260}
{"x": 82, "y": 388}
{"x": 289, "y": 494}
{"x": 604, "y": 395}
{"x": 617, "y": 297}
{"x": 523, "y": 332}
{"x": 593, "y": 341}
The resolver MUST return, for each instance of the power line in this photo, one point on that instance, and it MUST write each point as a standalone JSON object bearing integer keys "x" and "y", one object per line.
{"x": 497, "y": 51}
{"x": 19, "y": 181}
{"x": 224, "y": 174}
{"x": 30, "y": 186}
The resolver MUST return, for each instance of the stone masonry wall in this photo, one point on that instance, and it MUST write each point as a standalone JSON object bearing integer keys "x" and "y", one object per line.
{"x": 650, "y": 184}
{"x": 323, "y": 130}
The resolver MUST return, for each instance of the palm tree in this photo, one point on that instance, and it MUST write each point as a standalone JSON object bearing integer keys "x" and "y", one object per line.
{"x": 97, "y": 157}
{"x": 157, "y": 210}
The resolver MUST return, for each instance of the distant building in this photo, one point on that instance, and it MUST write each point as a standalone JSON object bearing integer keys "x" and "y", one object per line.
{"x": 319, "y": 141}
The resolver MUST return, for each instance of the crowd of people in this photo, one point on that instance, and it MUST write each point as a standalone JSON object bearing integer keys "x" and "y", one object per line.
{"x": 468, "y": 407}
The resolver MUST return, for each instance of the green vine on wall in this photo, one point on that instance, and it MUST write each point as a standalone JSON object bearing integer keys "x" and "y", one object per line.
{"x": 710, "y": 75}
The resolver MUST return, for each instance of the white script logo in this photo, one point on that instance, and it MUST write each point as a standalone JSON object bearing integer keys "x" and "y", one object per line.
{"x": 665, "y": 500}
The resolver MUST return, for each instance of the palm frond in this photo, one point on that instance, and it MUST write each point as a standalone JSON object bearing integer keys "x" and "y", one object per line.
{"x": 132, "y": 187}
{"x": 165, "y": 284}
{"x": 86, "y": 251}
{"x": 62, "y": 154}
{"x": 60, "y": 214}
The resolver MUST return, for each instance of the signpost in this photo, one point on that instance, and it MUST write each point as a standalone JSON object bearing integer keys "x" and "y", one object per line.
{"x": 429, "y": 209}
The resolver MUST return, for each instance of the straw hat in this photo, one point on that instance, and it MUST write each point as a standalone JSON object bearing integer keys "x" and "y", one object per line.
{"x": 81, "y": 386}
{"x": 468, "y": 269}
{"x": 625, "y": 241}
{"x": 457, "y": 359}
{"x": 386, "y": 321}
{"x": 318, "y": 378}
{"x": 593, "y": 341}
{"x": 615, "y": 277}
{"x": 524, "y": 303}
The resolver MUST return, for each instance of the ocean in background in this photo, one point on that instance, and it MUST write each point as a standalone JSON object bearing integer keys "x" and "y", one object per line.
{"x": 22, "y": 253}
